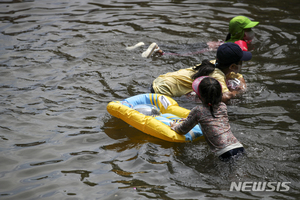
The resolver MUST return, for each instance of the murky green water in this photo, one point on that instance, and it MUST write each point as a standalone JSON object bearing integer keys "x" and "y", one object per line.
{"x": 62, "y": 62}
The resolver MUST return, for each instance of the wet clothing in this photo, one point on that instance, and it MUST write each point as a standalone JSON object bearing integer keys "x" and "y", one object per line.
{"x": 179, "y": 83}
{"x": 216, "y": 131}
{"x": 174, "y": 84}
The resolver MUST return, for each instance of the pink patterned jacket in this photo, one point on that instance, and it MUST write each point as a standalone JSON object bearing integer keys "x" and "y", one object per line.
{"x": 216, "y": 131}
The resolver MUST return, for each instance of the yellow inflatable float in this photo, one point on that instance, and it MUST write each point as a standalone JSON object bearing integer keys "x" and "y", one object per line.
{"x": 152, "y": 114}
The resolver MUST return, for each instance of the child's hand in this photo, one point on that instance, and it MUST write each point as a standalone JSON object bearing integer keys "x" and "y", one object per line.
{"x": 236, "y": 85}
{"x": 172, "y": 124}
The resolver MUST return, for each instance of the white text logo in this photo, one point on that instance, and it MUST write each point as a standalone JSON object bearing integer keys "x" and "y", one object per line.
{"x": 259, "y": 186}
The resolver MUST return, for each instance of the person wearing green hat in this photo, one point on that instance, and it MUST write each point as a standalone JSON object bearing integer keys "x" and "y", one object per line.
{"x": 240, "y": 28}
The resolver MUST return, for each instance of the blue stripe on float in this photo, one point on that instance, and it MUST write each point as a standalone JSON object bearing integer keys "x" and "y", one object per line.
{"x": 154, "y": 100}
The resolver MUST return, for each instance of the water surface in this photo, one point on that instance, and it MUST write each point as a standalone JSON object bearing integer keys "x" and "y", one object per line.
{"x": 62, "y": 62}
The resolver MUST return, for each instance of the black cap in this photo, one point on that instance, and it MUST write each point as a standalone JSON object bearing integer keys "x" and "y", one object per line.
{"x": 229, "y": 53}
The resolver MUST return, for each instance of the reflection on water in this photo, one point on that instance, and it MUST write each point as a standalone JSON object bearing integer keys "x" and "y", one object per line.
{"x": 63, "y": 61}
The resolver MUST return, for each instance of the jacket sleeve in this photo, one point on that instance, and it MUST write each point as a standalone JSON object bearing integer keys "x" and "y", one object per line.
{"x": 189, "y": 123}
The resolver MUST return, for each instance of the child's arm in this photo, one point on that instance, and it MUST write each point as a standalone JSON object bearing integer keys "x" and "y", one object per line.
{"x": 242, "y": 85}
{"x": 173, "y": 127}
{"x": 187, "y": 124}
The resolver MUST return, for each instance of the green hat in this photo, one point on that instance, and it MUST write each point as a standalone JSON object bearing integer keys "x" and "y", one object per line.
{"x": 237, "y": 26}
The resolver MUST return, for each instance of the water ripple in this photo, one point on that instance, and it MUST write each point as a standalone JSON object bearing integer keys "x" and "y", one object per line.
{"x": 62, "y": 61}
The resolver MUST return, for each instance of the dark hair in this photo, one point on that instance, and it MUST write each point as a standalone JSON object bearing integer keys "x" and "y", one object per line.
{"x": 210, "y": 91}
{"x": 228, "y": 37}
{"x": 203, "y": 69}
{"x": 206, "y": 67}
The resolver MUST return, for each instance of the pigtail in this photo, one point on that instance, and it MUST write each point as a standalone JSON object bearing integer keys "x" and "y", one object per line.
{"x": 211, "y": 93}
{"x": 203, "y": 69}
{"x": 211, "y": 108}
